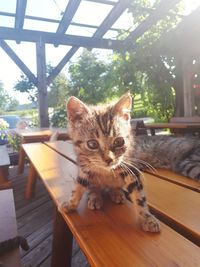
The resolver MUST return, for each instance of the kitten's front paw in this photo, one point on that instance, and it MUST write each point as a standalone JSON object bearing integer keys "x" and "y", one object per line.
{"x": 68, "y": 207}
{"x": 117, "y": 196}
{"x": 149, "y": 223}
{"x": 95, "y": 201}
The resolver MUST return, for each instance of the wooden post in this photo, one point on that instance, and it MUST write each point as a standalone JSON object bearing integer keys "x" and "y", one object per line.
{"x": 187, "y": 87}
{"x": 42, "y": 85}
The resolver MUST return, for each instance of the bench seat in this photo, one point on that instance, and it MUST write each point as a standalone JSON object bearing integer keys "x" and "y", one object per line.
{"x": 8, "y": 227}
{"x": 111, "y": 236}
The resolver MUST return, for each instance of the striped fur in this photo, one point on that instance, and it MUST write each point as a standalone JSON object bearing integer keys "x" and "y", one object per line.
{"x": 103, "y": 141}
{"x": 181, "y": 155}
{"x": 13, "y": 243}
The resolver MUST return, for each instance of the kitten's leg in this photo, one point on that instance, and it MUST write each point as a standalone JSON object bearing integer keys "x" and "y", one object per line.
{"x": 75, "y": 198}
{"x": 148, "y": 221}
{"x": 117, "y": 195}
{"x": 95, "y": 200}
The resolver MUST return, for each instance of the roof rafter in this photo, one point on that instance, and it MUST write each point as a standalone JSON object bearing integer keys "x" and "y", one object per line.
{"x": 18, "y": 61}
{"x": 114, "y": 14}
{"x": 68, "y": 15}
{"x": 20, "y": 13}
{"x": 152, "y": 19}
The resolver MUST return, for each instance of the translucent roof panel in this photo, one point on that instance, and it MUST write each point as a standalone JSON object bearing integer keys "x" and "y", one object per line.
{"x": 45, "y": 8}
{"x": 125, "y": 21}
{"x": 91, "y": 13}
{"x": 7, "y": 21}
{"x": 40, "y": 25}
{"x": 81, "y": 31}
{"x": 8, "y": 6}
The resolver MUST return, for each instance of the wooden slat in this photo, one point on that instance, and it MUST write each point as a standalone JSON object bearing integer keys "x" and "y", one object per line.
{"x": 175, "y": 203}
{"x": 177, "y": 179}
{"x": 112, "y": 236}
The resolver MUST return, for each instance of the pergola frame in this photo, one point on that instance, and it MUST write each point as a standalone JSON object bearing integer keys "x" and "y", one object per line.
{"x": 41, "y": 38}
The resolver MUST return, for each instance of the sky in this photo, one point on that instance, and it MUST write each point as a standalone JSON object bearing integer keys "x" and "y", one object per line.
{"x": 10, "y": 73}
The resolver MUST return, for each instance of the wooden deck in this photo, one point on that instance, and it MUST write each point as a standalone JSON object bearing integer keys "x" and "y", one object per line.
{"x": 35, "y": 222}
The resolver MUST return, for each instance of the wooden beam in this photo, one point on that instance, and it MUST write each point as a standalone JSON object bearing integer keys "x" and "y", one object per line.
{"x": 187, "y": 87}
{"x": 61, "y": 39}
{"x": 20, "y": 13}
{"x": 70, "y": 10}
{"x": 61, "y": 64}
{"x": 152, "y": 19}
{"x": 18, "y": 61}
{"x": 113, "y": 15}
{"x": 42, "y": 85}
{"x": 106, "y": 2}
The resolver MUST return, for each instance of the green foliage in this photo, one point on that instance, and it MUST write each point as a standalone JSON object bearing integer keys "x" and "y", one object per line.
{"x": 59, "y": 118}
{"x": 24, "y": 85}
{"x": 14, "y": 141}
{"x": 58, "y": 91}
{"x": 89, "y": 78}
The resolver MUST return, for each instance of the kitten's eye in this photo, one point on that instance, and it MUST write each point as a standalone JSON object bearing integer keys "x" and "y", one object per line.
{"x": 93, "y": 144}
{"x": 119, "y": 142}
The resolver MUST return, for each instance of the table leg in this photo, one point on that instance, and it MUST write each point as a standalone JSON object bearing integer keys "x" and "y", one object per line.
{"x": 62, "y": 243}
{"x": 21, "y": 161}
{"x": 31, "y": 183}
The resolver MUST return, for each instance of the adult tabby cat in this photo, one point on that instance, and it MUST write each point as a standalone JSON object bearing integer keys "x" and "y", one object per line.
{"x": 181, "y": 155}
{"x": 103, "y": 143}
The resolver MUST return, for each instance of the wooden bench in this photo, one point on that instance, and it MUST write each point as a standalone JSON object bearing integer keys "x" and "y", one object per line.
{"x": 185, "y": 120}
{"x": 8, "y": 227}
{"x": 112, "y": 236}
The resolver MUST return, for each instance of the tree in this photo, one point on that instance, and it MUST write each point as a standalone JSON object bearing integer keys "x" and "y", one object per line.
{"x": 58, "y": 91}
{"x": 146, "y": 69}
{"x": 89, "y": 78}
{"x": 4, "y": 97}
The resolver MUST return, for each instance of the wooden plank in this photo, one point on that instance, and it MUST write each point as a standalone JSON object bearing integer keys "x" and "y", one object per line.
{"x": 177, "y": 179}
{"x": 8, "y": 227}
{"x": 176, "y": 204}
{"x": 115, "y": 227}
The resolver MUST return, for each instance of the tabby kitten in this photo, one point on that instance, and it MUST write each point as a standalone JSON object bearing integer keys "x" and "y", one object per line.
{"x": 181, "y": 155}
{"x": 103, "y": 143}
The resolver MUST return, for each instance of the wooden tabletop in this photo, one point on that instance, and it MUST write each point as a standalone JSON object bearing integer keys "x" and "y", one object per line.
{"x": 33, "y": 132}
{"x": 176, "y": 209}
{"x": 171, "y": 125}
{"x": 112, "y": 236}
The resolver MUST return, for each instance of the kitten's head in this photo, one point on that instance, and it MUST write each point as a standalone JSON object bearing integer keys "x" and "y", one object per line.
{"x": 101, "y": 134}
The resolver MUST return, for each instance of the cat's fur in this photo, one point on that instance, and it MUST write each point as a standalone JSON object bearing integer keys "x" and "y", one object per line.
{"x": 179, "y": 154}
{"x": 103, "y": 142}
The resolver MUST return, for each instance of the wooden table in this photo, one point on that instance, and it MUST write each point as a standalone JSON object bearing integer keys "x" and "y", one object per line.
{"x": 177, "y": 128}
{"x": 33, "y": 135}
{"x": 112, "y": 237}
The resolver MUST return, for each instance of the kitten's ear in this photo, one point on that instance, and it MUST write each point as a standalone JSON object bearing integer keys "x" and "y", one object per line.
{"x": 123, "y": 107}
{"x": 76, "y": 109}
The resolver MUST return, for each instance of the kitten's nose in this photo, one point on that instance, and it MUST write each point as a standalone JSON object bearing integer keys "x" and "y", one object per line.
{"x": 108, "y": 160}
